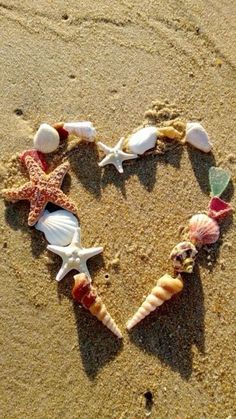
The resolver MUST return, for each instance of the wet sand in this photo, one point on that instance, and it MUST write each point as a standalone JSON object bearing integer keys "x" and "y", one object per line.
{"x": 107, "y": 63}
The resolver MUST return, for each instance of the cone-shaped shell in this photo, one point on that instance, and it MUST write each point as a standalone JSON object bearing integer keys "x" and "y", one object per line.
{"x": 197, "y": 136}
{"x": 85, "y": 294}
{"x": 203, "y": 229}
{"x": 46, "y": 139}
{"x": 83, "y": 129}
{"x": 142, "y": 140}
{"x": 58, "y": 227}
{"x": 165, "y": 288}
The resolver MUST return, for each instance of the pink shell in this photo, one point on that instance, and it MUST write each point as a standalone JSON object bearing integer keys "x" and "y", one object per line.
{"x": 36, "y": 155}
{"x": 218, "y": 208}
{"x": 203, "y": 229}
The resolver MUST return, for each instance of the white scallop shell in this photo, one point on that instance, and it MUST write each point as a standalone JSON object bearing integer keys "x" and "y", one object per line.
{"x": 58, "y": 226}
{"x": 46, "y": 139}
{"x": 197, "y": 136}
{"x": 83, "y": 129}
{"x": 142, "y": 140}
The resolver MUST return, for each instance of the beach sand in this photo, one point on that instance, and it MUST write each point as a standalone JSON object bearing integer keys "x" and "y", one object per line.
{"x": 107, "y": 62}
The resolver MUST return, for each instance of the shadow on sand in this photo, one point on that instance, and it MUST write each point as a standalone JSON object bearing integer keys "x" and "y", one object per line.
{"x": 97, "y": 344}
{"x": 170, "y": 331}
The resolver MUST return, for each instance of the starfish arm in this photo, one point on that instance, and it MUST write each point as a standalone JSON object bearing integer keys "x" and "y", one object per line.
{"x": 118, "y": 165}
{"x": 23, "y": 192}
{"x": 37, "y": 206}
{"x": 104, "y": 147}
{"x": 56, "y": 196}
{"x": 86, "y": 254}
{"x": 58, "y": 250}
{"x": 127, "y": 156}
{"x": 118, "y": 146}
{"x": 84, "y": 269}
{"x": 107, "y": 160}
{"x": 34, "y": 169}
{"x": 77, "y": 237}
{"x": 65, "y": 268}
{"x": 56, "y": 177}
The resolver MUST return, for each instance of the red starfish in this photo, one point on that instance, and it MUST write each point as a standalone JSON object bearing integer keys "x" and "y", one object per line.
{"x": 41, "y": 189}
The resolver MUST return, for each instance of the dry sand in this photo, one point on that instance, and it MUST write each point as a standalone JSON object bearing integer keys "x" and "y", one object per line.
{"x": 106, "y": 61}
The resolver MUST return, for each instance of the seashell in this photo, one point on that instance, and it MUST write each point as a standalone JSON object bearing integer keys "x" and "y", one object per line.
{"x": 46, "y": 139}
{"x": 83, "y": 130}
{"x": 36, "y": 155}
{"x": 58, "y": 226}
{"x": 165, "y": 288}
{"x": 63, "y": 134}
{"x": 142, "y": 140}
{"x": 183, "y": 257}
{"x": 170, "y": 132}
{"x": 197, "y": 136}
{"x": 218, "y": 208}
{"x": 203, "y": 229}
{"x": 86, "y": 294}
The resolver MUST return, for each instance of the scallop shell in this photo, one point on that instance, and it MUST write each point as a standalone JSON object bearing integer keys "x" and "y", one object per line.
{"x": 197, "y": 136}
{"x": 83, "y": 129}
{"x": 142, "y": 140}
{"x": 58, "y": 227}
{"x": 203, "y": 229}
{"x": 46, "y": 139}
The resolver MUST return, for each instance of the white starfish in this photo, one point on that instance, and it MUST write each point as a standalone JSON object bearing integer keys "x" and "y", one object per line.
{"x": 74, "y": 256}
{"x": 115, "y": 155}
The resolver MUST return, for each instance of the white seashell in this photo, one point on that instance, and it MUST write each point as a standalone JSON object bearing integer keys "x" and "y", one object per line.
{"x": 197, "y": 136}
{"x": 142, "y": 140}
{"x": 58, "y": 226}
{"x": 46, "y": 139}
{"x": 83, "y": 130}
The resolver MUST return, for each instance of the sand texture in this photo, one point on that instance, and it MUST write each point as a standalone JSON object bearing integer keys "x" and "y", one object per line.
{"x": 107, "y": 61}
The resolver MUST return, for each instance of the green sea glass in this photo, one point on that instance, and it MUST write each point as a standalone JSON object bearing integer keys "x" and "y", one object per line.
{"x": 219, "y": 179}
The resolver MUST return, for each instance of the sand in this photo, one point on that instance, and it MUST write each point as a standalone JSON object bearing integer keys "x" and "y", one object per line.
{"x": 106, "y": 62}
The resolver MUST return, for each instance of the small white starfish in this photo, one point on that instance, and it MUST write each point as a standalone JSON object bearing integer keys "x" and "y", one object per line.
{"x": 115, "y": 155}
{"x": 74, "y": 256}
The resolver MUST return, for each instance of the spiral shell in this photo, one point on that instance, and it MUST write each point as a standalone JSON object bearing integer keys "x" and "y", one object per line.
{"x": 86, "y": 294}
{"x": 197, "y": 136}
{"x": 203, "y": 229}
{"x": 84, "y": 130}
{"x": 46, "y": 139}
{"x": 58, "y": 226}
{"x": 165, "y": 288}
{"x": 142, "y": 140}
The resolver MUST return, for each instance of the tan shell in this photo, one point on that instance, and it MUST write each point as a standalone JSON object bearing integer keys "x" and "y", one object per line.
{"x": 86, "y": 294}
{"x": 165, "y": 288}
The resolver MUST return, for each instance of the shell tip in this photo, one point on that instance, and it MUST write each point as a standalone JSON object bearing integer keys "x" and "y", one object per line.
{"x": 129, "y": 326}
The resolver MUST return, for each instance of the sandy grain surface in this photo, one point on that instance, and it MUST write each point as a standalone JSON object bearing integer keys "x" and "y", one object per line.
{"x": 107, "y": 61}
